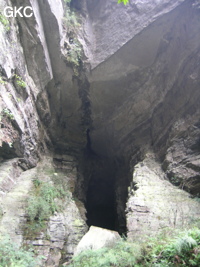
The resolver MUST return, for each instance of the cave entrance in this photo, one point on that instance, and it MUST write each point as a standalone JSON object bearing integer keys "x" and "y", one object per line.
{"x": 105, "y": 196}
{"x": 100, "y": 197}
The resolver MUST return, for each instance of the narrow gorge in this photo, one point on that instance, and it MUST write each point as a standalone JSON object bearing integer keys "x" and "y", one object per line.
{"x": 100, "y": 122}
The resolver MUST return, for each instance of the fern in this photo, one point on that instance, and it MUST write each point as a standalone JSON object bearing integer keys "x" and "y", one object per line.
{"x": 185, "y": 243}
{"x": 195, "y": 233}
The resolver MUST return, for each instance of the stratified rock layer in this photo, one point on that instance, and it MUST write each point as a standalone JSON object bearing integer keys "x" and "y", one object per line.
{"x": 154, "y": 204}
{"x": 63, "y": 230}
{"x": 141, "y": 93}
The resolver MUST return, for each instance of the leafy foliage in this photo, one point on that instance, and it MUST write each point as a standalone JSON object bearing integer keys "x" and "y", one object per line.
{"x": 19, "y": 81}
{"x": 71, "y": 23}
{"x": 74, "y": 54}
{"x": 125, "y": 2}
{"x": 12, "y": 256}
{"x": 5, "y": 22}
{"x": 181, "y": 251}
{"x": 71, "y": 18}
{"x": 163, "y": 251}
{"x": 2, "y": 81}
{"x": 42, "y": 204}
{"x": 122, "y": 254}
{"x": 6, "y": 112}
{"x": 67, "y": 1}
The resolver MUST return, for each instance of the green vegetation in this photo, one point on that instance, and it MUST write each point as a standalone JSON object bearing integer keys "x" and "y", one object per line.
{"x": 163, "y": 251}
{"x": 122, "y": 254}
{"x": 125, "y": 2}
{"x": 74, "y": 54}
{"x": 2, "y": 81}
{"x": 7, "y": 113}
{"x": 71, "y": 23}
{"x": 175, "y": 180}
{"x": 5, "y": 22}
{"x": 19, "y": 81}
{"x": 42, "y": 204}
{"x": 12, "y": 256}
{"x": 71, "y": 19}
{"x": 67, "y": 1}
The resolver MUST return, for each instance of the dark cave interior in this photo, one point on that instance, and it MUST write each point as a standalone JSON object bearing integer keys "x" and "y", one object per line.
{"x": 100, "y": 198}
{"x": 106, "y": 193}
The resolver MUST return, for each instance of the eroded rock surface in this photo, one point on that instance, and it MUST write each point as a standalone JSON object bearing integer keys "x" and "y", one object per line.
{"x": 64, "y": 229}
{"x": 114, "y": 25}
{"x": 182, "y": 160}
{"x": 138, "y": 91}
{"x": 148, "y": 84}
{"x": 154, "y": 204}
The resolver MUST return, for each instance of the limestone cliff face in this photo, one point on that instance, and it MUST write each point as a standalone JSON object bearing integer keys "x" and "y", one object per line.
{"x": 141, "y": 90}
{"x": 95, "y": 96}
{"x": 154, "y": 204}
{"x": 22, "y": 133}
{"x": 114, "y": 25}
{"x": 148, "y": 86}
{"x": 31, "y": 66}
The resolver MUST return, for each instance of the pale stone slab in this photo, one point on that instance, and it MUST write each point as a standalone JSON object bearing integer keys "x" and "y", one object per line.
{"x": 97, "y": 238}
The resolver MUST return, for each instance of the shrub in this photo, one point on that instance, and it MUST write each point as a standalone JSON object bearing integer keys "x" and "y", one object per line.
{"x": 74, "y": 54}
{"x": 38, "y": 209}
{"x": 165, "y": 251}
{"x": 42, "y": 204}
{"x": 122, "y": 254}
{"x": 71, "y": 20}
{"x": 12, "y": 256}
{"x": 71, "y": 23}
{"x": 181, "y": 251}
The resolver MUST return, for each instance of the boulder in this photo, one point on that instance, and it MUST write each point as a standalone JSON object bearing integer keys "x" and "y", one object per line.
{"x": 97, "y": 238}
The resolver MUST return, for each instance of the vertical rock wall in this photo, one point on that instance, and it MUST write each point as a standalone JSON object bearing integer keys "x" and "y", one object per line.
{"x": 31, "y": 70}
{"x": 142, "y": 92}
{"x": 22, "y": 133}
{"x": 154, "y": 204}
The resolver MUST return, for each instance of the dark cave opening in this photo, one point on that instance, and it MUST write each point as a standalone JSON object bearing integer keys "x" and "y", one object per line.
{"x": 106, "y": 191}
{"x": 100, "y": 199}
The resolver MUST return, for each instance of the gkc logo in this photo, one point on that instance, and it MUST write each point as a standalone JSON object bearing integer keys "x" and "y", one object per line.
{"x": 21, "y": 11}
